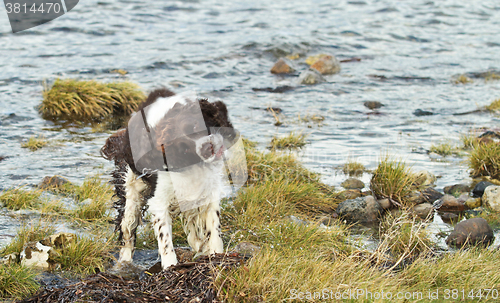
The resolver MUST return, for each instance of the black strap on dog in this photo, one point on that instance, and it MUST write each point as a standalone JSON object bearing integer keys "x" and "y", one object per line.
{"x": 151, "y": 139}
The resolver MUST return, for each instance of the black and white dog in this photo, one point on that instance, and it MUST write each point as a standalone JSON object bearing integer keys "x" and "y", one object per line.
{"x": 170, "y": 159}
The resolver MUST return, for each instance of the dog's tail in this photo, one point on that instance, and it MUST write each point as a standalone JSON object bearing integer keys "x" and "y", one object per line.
{"x": 113, "y": 150}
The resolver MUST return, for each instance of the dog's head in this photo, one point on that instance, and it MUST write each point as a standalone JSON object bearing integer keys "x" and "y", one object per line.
{"x": 186, "y": 132}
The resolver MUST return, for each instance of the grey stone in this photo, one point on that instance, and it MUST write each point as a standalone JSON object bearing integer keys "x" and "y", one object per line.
{"x": 353, "y": 183}
{"x": 362, "y": 209}
{"x": 385, "y": 203}
{"x": 423, "y": 210}
{"x": 479, "y": 189}
{"x": 373, "y": 104}
{"x": 297, "y": 221}
{"x": 246, "y": 248}
{"x": 424, "y": 178}
{"x": 326, "y": 65}
{"x": 471, "y": 232}
{"x": 456, "y": 189}
{"x": 53, "y": 182}
{"x": 310, "y": 77}
{"x": 449, "y": 203}
{"x": 431, "y": 195}
{"x": 491, "y": 197}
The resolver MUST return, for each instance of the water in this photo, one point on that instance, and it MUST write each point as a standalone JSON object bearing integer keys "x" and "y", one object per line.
{"x": 409, "y": 52}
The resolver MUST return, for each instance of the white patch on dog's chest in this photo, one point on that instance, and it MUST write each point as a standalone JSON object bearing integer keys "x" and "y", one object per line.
{"x": 194, "y": 187}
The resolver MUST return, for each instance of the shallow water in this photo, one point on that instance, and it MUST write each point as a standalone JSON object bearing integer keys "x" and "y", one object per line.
{"x": 409, "y": 53}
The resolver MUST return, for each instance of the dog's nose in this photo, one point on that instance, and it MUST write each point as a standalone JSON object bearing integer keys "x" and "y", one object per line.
{"x": 207, "y": 150}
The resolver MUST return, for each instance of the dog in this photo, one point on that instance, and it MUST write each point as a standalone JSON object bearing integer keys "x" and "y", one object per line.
{"x": 169, "y": 160}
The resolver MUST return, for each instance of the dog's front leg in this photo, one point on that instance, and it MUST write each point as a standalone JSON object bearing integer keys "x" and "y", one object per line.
{"x": 163, "y": 231}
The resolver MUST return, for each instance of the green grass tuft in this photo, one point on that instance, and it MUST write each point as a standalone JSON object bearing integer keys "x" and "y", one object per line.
{"x": 494, "y": 106}
{"x": 484, "y": 160}
{"x": 85, "y": 255}
{"x": 312, "y": 118}
{"x": 462, "y": 79}
{"x": 89, "y": 100}
{"x": 444, "y": 149}
{"x": 93, "y": 188}
{"x": 275, "y": 165}
{"x": 292, "y": 141}
{"x": 20, "y": 198}
{"x": 17, "y": 282}
{"x": 35, "y": 143}
{"x": 469, "y": 140}
{"x": 353, "y": 168}
{"x": 404, "y": 238}
{"x": 394, "y": 180}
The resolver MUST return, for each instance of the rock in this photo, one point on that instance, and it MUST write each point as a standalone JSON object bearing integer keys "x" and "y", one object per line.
{"x": 362, "y": 209}
{"x": 278, "y": 90}
{"x": 396, "y": 212}
{"x": 423, "y": 210}
{"x": 87, "y": 201}
{"x": 130, "y": 270}
{"x": 431, "y": 195}
{"x": 297, "y": 221}
{"x": 54, "y": 182}
{"x": 350, "y": 194}
{"x": 420, "y": 113}
{"x": 9, "y": 259}
{"x": 353, "y": 183}
{"x": 417, "y": 198}
{"x": 428, "y": 195}
{"x": 456, "y": 189}
{"x": 246, "y": 248}
{"x": 310, "y": 77}
{"x": 473, "y": 203}
{"x": 479, "y": 189}
{"x": 312, "y": 59}
{"x": 491, "y": 197}
{"x": 471, "y": 232}
{"x": 326, "y": 65}
{"x": 424, "y": 178}
{"x": 59, "y": 240}
{"x": 282, "y": 66}
{"x": 385, "y": 203}
{"x": 449, "y": 203}
{"x": 373, "y": 105}
{"x": 37, "y": 255}
{"x": 327, "y": 220}
{"x": 489, "y": 136}
{"x": 449, "y": 217}
{"x": 184, "y": 254}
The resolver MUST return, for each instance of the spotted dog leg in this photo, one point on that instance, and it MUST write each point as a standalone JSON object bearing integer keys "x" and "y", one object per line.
{"x": 202, "y": 226}
{"x": 159, "y": 207}
{"x": 163, "y": 232}
{"x": 132, "y": 214}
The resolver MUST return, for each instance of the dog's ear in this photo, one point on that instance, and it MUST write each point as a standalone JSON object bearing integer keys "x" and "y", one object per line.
{"x": 114, "y": 145}
{"x": 222, "y": 112}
